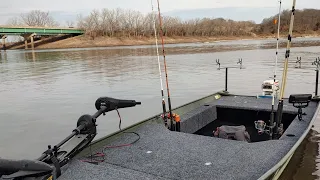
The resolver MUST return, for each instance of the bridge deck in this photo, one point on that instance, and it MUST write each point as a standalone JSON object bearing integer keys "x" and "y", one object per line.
{"x": 7, "y": 30}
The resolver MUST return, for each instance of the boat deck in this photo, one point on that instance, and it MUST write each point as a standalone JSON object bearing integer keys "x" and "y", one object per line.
{"x": 163, "y": 154}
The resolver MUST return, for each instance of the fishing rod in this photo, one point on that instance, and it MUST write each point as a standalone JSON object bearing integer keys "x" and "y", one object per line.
{"x": 275, "y": 75}
{"x": 285, "y": 71}
{"x": 159, "y": 65}
{"x": 165, "y": 66}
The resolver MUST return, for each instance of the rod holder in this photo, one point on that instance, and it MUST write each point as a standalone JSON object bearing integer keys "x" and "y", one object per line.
{"x": 218, "y": 63}
{"x": 298, "y": 62}
{"x": 240, "y": 62}
{"x": 317, "y": 64}
{"x": 226, "y": 83}
{"x": 317, "y": 82}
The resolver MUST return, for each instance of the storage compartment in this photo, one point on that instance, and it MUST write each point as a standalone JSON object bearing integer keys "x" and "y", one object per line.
{"x": 237, "y": 117}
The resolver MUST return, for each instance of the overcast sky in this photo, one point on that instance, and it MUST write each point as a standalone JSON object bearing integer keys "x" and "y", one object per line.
{"x": 70, "y": 8}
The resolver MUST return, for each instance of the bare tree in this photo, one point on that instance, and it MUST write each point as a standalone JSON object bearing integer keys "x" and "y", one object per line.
{"x": 15, "y": 21}
{"x": 128, "y": 23}
{"x": 70, "y": 24}
{"x": 38, "y": 18}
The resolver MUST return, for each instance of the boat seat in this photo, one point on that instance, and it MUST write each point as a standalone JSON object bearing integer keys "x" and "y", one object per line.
{"x": 22, "y": 167}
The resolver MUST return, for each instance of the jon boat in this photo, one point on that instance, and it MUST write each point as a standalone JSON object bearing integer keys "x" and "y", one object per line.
{"x": 221, "y": 136}
{"x": 152, "y": 151}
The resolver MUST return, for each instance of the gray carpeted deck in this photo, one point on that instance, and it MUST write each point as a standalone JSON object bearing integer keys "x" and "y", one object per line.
{"x": 163, "y": 154}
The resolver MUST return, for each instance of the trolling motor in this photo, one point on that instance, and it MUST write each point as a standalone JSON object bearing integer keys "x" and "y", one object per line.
{"x": 50, "y": 163}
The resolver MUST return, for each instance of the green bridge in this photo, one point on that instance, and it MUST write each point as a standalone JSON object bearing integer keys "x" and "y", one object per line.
{"x": 38, "y": 31}
{"x": 29, "y": 33}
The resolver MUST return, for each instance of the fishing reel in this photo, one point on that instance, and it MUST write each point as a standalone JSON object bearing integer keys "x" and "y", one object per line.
{"x": 260, "y": 125}
{"x": 263, "y": 128}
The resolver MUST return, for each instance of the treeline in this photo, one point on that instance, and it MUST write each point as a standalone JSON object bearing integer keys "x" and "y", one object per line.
{"x": 34, "y": 18}
{"x": 305, "y": 21}
{"x": 127, "y": 23}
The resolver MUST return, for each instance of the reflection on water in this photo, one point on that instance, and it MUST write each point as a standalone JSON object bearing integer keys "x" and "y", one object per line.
{"x": 44, "y": 92}
{"x": 304, "y": 164}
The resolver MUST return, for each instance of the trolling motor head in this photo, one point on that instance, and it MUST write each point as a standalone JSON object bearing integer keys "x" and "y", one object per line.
{"x": 113, "y": 104}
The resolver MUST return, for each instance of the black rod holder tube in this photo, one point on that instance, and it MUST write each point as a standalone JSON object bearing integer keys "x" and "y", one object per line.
{"x": 279, "y": 117}
{"x": 226, "y": 86}
{"x": 317, "y": 80}
{"x": 178, "y": 126}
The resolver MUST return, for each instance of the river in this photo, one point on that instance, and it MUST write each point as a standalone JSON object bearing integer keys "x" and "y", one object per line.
{"x": 44, "y": 92}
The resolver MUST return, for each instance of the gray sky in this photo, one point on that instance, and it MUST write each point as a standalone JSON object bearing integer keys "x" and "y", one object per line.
{"x": 68, "y": 9}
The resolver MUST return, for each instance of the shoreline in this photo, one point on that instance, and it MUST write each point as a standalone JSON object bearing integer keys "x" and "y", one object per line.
{"x": 85, "y": 42}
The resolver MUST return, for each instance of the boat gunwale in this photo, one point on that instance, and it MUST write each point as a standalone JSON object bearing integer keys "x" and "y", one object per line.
{"x": 280, "y": 163}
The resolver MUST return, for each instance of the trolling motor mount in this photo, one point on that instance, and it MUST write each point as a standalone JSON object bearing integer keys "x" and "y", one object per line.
{"x": 89, "y": 124}
{"x": 300, "y": 101}
{"x": 49, "y": 164}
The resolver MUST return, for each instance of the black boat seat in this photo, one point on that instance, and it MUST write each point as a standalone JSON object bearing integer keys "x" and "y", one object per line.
{"x": 22, "y": 167}
{"x": 300, "y": 101}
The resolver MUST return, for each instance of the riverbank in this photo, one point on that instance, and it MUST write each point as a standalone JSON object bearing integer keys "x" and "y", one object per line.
{"x": 87, "y": 42}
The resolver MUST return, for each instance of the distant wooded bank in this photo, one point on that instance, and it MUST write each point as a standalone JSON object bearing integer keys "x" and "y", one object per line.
{"x": 129, "y": 23}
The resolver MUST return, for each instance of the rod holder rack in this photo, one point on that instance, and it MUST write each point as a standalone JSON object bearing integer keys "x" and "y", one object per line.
{"x": 240, "y": 62}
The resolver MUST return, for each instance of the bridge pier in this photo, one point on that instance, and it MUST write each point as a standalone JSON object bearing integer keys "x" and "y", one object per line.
{"x": 4, "y": 42}
{"x": 32, "y": 40}
{"x": 26, "y": 38}
{"x": 32, "y": 43}
{"x": 25, "y": 43}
